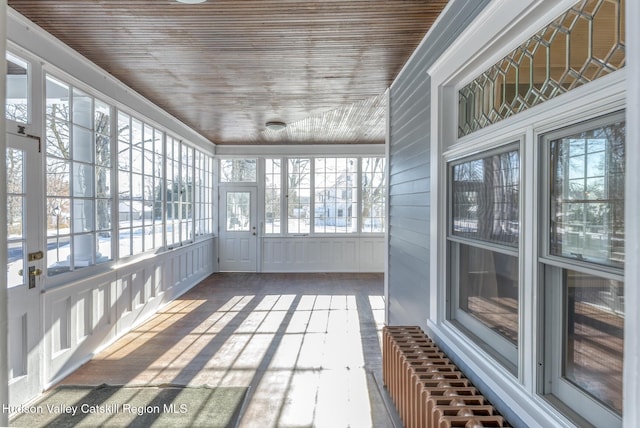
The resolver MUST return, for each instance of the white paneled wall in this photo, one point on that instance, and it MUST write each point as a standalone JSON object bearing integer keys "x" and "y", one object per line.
{"x": 85, "y": 316}
{"x": 323, "y": 254}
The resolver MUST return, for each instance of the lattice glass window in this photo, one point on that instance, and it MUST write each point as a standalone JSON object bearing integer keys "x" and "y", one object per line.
{"x": 584, "y": 44}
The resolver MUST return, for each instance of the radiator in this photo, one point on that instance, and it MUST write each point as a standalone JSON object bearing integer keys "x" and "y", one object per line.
{"x": 427, "y": 389}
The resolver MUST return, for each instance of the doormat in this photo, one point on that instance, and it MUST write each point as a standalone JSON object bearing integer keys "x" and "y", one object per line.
{"x": 124, "y": 406}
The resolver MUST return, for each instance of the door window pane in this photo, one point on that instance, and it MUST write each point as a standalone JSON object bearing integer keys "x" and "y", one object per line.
{"x": 16, "y": 195}
{"x": 17, "y": 100}
{"x": 587, "y": 195}
{"x": 238, "y": 211}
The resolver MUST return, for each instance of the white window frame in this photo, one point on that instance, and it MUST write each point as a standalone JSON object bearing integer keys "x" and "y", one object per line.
{"x": 501, "y": 348}
{"x": 502, "y": 26}
{"x": 73, "y": 85}
{"x": 552, "y": 383}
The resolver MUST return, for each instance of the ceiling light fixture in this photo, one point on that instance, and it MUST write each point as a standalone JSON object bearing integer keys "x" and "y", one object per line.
{"x": 275, "y": 125}
{"x": 191, "y": 1}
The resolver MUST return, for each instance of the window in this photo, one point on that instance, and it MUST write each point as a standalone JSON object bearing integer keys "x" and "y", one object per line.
{"x": 553, "y": 61}
{"x": 298, "y": 195}
{"x": 152, "y": 187}
{"x": 204, "y": 192}
{"x": 325, "y": 195}
{"x": 583, "y": 267}
{"x": 272, "y": 200}
{"x": 172, "y": 197}
{"x": 483, "y": 240}
{"x": 238, "y": 170}
{"x": 180, "y": 192}
{"x": 78, "y": 178}
{"x": 335, "y": 190}
{"x": 187, "y": 195}
{"x": 130, "y": 186}
{"x": 587, "y": 196}
{"x": 140, "y": 186}
{"x": 17, "y": 97}
{"x": 373, "y": 194}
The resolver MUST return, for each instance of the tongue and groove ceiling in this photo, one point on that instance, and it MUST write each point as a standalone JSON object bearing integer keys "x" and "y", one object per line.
{"x": 226, "y": 67}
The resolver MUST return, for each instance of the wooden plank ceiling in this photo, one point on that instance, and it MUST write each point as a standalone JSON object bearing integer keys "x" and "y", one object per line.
{"x": 225, "y": 67}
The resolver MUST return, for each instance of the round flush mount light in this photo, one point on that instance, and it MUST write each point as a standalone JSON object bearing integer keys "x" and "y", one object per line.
{"x": 191, "y": 1}
{"x": 275, "y": 125}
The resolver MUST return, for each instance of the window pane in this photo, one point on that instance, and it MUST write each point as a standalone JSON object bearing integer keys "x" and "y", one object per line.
{"x": 488, "y": 289}
{"x": 57, "y": 99}
{"x": 373, "y": 194}
{"x": 485, "y": 196}
{"x": 17, "y": 101}
{"x": 238, "y": 170}
{"x": 58, "y": 141}
{"x": 102, "y": 118}
{"x": 103, "y": 217}
{"x": 587, "y": 195}
{"x": 82, "y": 109}
{"x": 83, "y": 180}
{"x": 272, "y": 195}
{"x": 299, "y": 195}
{"x": 83, "y": 215}
{"x": 82, "y": 144}
{"x": 594, "y": 336}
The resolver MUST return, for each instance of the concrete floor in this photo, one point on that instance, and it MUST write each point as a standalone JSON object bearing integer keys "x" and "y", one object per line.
{"x": 307, "y": 345}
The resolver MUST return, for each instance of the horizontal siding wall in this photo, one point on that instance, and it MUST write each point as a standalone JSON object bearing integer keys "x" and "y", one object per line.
{"x": 85, "y": 316}
{"x": 409, "y": 170}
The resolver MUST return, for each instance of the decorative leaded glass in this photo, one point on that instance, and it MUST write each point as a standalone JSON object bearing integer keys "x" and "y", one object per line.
{"x": 584, "y": 44}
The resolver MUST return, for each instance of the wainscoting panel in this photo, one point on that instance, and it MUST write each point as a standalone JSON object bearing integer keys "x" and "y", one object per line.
{"x": 323, "y": 254}
{"x": 85, "y": 316}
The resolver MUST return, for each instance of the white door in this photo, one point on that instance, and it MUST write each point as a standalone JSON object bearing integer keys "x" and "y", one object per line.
{"x": 24, "y": 266}
{"x": 238, "y": 234}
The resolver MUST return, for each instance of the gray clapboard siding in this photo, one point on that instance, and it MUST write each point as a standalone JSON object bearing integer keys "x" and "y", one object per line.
{"x": 409, "y": 169}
